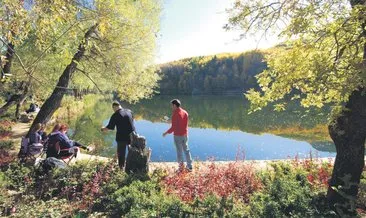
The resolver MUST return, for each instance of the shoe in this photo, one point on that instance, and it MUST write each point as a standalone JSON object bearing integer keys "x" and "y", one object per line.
{"x": 189, "y": 169}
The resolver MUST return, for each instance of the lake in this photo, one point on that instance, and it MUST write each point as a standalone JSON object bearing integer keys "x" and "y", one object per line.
{"x": 220, "y": 128}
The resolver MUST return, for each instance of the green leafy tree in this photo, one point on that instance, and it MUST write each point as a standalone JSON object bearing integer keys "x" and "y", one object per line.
{"x": 107, "y": 44}
{"x": 14, "y": 29}
{"x": 323, "y": 62}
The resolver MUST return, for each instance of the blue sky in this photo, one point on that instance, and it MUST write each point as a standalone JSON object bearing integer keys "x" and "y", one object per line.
{"x": 194, "y": 27}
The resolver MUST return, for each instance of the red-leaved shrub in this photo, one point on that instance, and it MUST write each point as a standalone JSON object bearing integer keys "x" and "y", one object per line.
{"x": 318, "y": 171}
{"x": 5, "y": 129}
{"x": 235, "y": 179}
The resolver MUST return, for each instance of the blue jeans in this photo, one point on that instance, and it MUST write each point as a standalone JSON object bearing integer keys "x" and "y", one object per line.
{"x": 181, "y": 144}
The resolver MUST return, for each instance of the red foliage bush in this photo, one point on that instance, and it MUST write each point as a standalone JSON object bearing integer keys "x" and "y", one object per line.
{"x": 5, "y": 158}
{"x": 233, "y": 179}
{"x": 92, "y": 189}
{"x": 5, "y": 129}
{"x": 318, "y": 171}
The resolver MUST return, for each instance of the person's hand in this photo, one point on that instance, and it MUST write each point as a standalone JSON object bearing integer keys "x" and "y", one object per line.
{"x": 103, "y": 129}
{"x": 164, "y": 134}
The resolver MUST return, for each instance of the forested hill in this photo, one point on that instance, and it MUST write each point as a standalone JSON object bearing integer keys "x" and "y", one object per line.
{"x": 217, "y": 74}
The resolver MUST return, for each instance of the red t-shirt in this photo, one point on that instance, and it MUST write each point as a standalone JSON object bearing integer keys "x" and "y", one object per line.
{"x": 179, "y": 123}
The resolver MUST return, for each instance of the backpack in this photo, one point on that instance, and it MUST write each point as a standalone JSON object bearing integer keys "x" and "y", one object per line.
{"x": 50, "y": 163}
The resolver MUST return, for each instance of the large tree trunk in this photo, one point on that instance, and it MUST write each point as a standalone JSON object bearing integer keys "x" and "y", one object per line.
{"x": 54, "y": 101}
{"x": 348, "y": 132}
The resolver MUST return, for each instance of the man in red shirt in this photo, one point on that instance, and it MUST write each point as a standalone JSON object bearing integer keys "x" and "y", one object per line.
{"x": 180, "y": 130}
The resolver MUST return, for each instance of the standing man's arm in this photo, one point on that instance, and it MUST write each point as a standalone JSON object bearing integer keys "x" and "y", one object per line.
{"x": 111, "y": 125}
{"x": 174, "y": 125}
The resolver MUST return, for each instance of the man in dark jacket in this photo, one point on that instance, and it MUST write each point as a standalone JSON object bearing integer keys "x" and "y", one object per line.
{"x": 123, "y": 120}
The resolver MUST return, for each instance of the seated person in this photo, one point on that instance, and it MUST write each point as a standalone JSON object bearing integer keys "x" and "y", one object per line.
{"x": 34, "y": 145}
{"x": 42, "y": 133}
{"x": 34, "y": 136}
{"x": 64, "y": 142}
{"x": 32, "y": 108}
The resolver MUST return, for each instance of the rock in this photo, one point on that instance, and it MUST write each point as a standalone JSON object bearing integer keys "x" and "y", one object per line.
{"x": 138, "y": 160}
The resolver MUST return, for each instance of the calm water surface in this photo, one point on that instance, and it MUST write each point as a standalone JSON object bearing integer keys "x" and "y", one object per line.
{"x": 220, "y": 128}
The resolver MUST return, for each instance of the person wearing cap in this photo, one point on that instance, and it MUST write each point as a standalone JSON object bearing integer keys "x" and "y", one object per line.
{"x": 123, "y": 120}
{"x": 179, "y": 128}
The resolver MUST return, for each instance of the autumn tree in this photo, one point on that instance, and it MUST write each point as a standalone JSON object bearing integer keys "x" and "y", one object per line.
{"x": 323, "y": 62}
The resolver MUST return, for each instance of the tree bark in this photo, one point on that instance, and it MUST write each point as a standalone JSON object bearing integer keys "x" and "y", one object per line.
{"x": 15, "y": 99}
{"x": 348, "y": 131}
{"x": 19, "y": 104}
{"x": 9, "y": 59}
{"x": 12, "y": 101}
{"x": 54, "y": 101}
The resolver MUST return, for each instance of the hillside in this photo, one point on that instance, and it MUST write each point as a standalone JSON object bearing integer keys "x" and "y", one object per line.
{"x": 217, "y": 74}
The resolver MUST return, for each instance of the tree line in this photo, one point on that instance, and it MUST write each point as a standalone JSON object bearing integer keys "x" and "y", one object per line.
{"x": 216, "y": 74}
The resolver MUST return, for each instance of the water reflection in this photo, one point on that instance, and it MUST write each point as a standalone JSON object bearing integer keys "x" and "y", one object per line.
{"x": 218, "y": 127}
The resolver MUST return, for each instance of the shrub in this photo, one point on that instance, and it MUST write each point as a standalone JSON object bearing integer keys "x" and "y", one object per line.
{"x": 70, "y": 182}
{"x": 32, "y": 207}
{"x": 5, "y": 157}
{"x": 6, "y": 145}
{"x": 317, "y": 172}
{"x": 5, "y": 128}
{"x": 19, "y": 177}
{"x": 143, "y": 199}
{"x": 288, "y": 193}
{"x": 233, "y": 179}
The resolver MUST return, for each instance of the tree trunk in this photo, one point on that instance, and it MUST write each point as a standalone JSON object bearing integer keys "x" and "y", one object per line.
{"x": 9, "y": 59}
{"x": 19, "y": 104}
{"x": 12, "y": 101}
{"x": 348, "y": 132}
{"x": 15, "y": 99}
{"x": 54, "y": 101}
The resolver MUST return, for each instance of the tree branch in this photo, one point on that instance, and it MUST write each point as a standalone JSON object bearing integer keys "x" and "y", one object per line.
{"x": 87, "y": 75}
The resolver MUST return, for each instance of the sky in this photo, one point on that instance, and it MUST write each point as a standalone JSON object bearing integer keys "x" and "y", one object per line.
{"x": 194, "y": 28}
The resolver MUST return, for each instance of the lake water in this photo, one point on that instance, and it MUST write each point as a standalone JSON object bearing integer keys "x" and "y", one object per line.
{"x": 220, "y": 129}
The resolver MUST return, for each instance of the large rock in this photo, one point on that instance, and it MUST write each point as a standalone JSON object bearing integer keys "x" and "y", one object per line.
{"x": 138, "y": 156}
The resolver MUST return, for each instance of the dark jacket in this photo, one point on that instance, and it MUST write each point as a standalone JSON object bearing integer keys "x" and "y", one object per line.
{"x": 53, "y": 139}
{"x": 34, "y": 137}
{"x": 123, "y": 120}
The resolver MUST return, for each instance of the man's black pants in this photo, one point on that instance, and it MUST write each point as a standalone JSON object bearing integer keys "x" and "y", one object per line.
{"x": 121, "y": 152}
